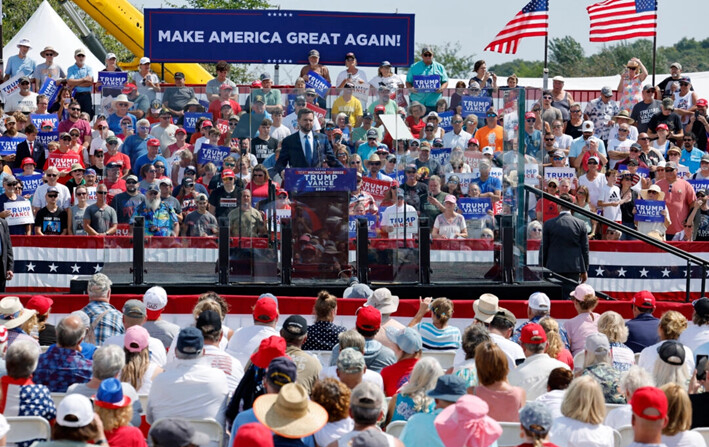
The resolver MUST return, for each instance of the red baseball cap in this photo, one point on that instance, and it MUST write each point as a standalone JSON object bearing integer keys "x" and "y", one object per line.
{"x": 380, "y": 108}
{"x": 644, "y": 300}
{"x": 207, "y": 123}
{"x": 662, "y": 126}
{"x": 153, "y": 142}
{"x": 474, "y": 140}
{"x": 270, "y": 348}
{"x": 28, "y": 161}
{"x": 702, "y": 102}
{"x": 533, "y": 334}
{"x": 256, "y": 84}
{"x": 529, "y": 115}
{"x": 265, "y": 310}
{"x": 649, "y": 403}
{"x": 228, "y": 173}
{"x": 254, "y": 433}
{"x": 128, "y": 88}
{"x": 368, "y": 318}
{"x": 40, "y": 303}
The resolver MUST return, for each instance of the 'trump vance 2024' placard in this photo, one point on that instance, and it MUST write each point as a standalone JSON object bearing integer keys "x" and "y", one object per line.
{"x": 268, "y": 36}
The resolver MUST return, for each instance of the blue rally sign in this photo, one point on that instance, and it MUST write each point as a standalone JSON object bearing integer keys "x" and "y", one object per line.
{"x": 474, "y": 208}
{"x": 649, "y": 210}
{"x": 8, "y": 145}
{"x": 300, "y": 180}
{"x": 277, "y": 36}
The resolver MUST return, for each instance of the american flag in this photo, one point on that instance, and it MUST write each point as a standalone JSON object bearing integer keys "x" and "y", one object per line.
{"x": 622, "y": 19}
{"x": 531, "y": 21}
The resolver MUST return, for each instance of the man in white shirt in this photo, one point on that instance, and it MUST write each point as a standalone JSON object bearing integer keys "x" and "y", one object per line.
{"x": 533, "y": 373}
{"x": 189, "y": 388}
{"x": 501, "y": 328}
{"x": 457, "y": 138}
{"x": 210, "y": 324}
{"x": 618, "y": 148}
{"x": 246, "y": 339}
{"x": 610, "y": 197}
{"x": 400, "y": 218}
{"x": 278, "y": 130}
{"x": 291, "y": 121}
{"x": 697, "y": 333}
{"x": 135, "y": 314}
{"x": 23, "y": 100}
{"x": 594, "y": 181}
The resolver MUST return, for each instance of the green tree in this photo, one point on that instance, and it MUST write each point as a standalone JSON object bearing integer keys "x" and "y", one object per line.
{"x": 457, "y": 66}
{"x": 520, "y": 67}
{"x": 566, "y": 57}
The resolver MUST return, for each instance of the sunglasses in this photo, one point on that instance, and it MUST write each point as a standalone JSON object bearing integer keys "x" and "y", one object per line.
{"x": 643, "y": 138}
{"x": 549, "y": 139}
{"x": 131, "y": 182}
{"x": 427, "y": 54}
{"x": 623, "y": 130}
{"x": 531, "y": 120}
{"x": 558, "y": 158}
{"x": 355, "y": 162}
{"x": 576, "y": 111}
{"x": 634, "y": 150}
{"x": 684, "y": 83}
{"x": 101, "y": 192}
{"x": 52, "y": 196}
{"x": 12, "y": 184}
{"x": 80, "y": 193}
{"x": 669, "y": 170}
{"x": 375, "y": 163}
{"x": 159, "y": 167}
{"x": 52, "y": 175}
{"x": 457, "y": 122}
{"x": 75, "y": 109}
{"x": 66, "y": 138}
{"x": 75, "y": 135}
{"x": 411, "y": 172}
{"x": 546, "y": 96}
{"x": 98, "y": 154}
{"x": 687, "y": 139}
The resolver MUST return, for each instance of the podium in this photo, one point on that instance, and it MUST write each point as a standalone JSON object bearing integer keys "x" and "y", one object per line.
{"x": 320, "y": 200}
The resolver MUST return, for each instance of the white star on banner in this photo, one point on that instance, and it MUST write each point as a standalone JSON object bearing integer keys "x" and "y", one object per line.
{"x": 621, "y": 272}
{"x": 97, "y": 268}
{"x": 599, "y": 271}
{"x": 53, "y": 267}
{"x": 30, "y": 267}
{"x": 666, "y": 273}
{"x": 74, "y": 268}
{"x": 643, "y": 273}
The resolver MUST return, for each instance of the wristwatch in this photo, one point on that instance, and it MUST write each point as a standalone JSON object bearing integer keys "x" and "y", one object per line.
{"x": 101, "y": 442}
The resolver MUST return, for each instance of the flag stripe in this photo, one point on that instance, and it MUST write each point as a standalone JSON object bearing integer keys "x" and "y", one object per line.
{"x": 622, "y": 19}
{"x": 531, "y": 21}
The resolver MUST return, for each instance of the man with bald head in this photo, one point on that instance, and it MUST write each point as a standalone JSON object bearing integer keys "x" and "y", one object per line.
{"x": 63, "y": 364}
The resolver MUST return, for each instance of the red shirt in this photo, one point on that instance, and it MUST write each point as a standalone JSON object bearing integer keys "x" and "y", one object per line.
{"x": 215, "y": 108}
{"x": 83, "y": 126}
{"x": 547, "y": 209}
{"x": 416, "y": 128}
{"x": 114, "y": 188}
{"x": 126, "y": 436}
{"x": 122, "y": 159}
{"x": 396, "y": 375}
{"x": 678, "y": 202}
{"x": 63, "y": 162}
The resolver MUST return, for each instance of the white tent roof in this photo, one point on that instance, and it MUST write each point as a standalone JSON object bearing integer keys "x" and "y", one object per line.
{"x": 46, "y": 28}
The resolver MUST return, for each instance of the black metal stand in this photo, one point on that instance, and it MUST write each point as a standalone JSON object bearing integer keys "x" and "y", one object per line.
{"x": 223, "y": 261}
{"x": 424, "y": 251}
{"x": 138, "y": 250}
{"x": 362, "y": 251}
{"x": 286, "y": 251}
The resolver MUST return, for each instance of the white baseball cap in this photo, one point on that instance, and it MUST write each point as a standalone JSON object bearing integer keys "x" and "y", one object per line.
{"x": 488, "y": 150}
{"x": 144, "y": 60}
{"x": 539, "y": 301}
{"x": 78, "y": 406}
{"x": 111, "y": 56}
{"x": 155, "y": 300}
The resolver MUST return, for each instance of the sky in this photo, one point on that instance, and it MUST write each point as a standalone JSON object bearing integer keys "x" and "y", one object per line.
{"x": 474, "y": 23}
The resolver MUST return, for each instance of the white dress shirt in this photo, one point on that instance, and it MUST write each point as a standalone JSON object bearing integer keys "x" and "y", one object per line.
{"x": 246, "y": 340}
{"x": 533, "y": 374}
{"x": 232, "y": 368}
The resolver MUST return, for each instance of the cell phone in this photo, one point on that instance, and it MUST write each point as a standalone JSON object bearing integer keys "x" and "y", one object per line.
{"x": 696, "y": 113}
{"x": 702, "y": 360}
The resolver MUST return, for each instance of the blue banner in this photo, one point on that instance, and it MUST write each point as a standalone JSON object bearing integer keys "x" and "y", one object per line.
{"x": 37, "y": 120}
{"x": 642, "y": 172}
{"x": 290, "y": 104}
{"x": 475, "y": 105}
{"x": 50, "y": 89}
{"x": 299, "y": 180}
{"x": 649, "y": 210}
{"x": 318, "y": 83}
{"x": 8, "y": 145}
{"x": 427, "y": 83}
{"x": 114, "y": 79}
{"x": 214, "y": 154}
{"x": 45, "y": 138}
{"x": 400, "y": 176}
{"x": 268, "y": 36}
{"x": 442, "y": 156}
{"x": 699, "y": 184}
{"x": 30, "y": 183}
{"x": 371, "y": 225}
{"x": 191, "y": 119}
{"x": 446, "y": 121}
{"x": 474, "y": 208}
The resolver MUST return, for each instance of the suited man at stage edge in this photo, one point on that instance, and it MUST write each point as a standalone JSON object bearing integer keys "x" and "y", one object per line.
{"x": 6, "y": 256}
{"x": 565, "y": 245}
{"x": 305, "y": 148}
{"x": 30, "y": 148}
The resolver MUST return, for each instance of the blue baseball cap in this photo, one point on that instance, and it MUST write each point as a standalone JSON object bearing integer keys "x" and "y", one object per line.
{"x": 190, "y": 340}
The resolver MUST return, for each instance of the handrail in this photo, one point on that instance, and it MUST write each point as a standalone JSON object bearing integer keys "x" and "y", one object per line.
{"x": 690, "y": 258}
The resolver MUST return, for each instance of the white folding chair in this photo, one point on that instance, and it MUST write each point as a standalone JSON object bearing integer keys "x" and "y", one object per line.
{"x": 322, "y": 356}
{"x": 211, "y": 428}
{"x": 610, "y": 407}
{"x": 26, "y": 428}
{"x": 57, "y": 398}
{"x": 627, "y": 435}
{"x": 617, "y": 439}
{"x": 395, "y": 428}
{"x": 143, "y": 402}
{"x": 704, "y": 431}
{"x": 510, "y": 434}
{"x": 445, "y": 358}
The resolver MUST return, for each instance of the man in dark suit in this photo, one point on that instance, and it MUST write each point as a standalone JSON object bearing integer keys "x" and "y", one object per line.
{"x": 6, "y": 256}
{"x": 565, "y": 245}
{"x": 30, "y": 148}
{"x": 305, "y": 148}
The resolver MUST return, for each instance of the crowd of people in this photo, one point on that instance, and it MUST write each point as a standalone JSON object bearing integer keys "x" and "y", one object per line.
{"x": 266, "y": 384}
{"x": 607, "y": 154}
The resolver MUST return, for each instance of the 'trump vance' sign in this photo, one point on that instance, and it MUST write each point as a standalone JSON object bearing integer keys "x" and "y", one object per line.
{"x": 277, "y": 36}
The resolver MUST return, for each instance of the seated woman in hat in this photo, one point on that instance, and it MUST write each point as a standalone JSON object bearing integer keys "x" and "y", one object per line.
{"x": 18, "y": 321}
{"x": 76, "y": 423}
{"x": 116, "y": 412}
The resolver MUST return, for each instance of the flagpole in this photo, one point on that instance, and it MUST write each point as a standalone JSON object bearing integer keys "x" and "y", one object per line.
{"x": 654, "y": 51}
{"x": 545, "y": 82}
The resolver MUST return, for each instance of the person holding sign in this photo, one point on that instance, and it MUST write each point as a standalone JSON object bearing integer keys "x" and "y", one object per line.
{"x": 314, "y": 65}
{"x": 420, "y": 76}
{"x": 47, "y": 69}
{"x": 16, "y": 210}
{"x": 23, "y": 100}
{"x": 449, "y": 224}
{"x": 401, "y": 220}
{"x": 645, "y": 225}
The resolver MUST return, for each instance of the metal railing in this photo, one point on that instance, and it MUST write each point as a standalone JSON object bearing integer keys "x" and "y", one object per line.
{"x": 661, "y": 245}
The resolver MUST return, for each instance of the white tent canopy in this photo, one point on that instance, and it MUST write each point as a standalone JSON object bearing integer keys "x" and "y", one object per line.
{"x": 46, "y": 28}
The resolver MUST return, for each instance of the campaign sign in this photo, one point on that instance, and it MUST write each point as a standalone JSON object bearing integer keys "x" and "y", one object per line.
{"x": 317, "y": 82}
{"x": 649, "y": 210}
{"x": 38, "y": 119}
{"x": 318, "y": 111}
{"x": 191, "y": 120}
{"x": 446, "y": 121}
{"x": 427, "y": 83}
{"x": 223, "y": 126}
{"x": 290, "y": 104}
{"x": 10, "y": 86}
{"x": 642, "y": 172}
{"x": 267, "y": 36}
{"x": 301, "y": 180}
{"x": 465, "y": 179}
{"x": 213, "y": 154}
{"x": 559, "y": 173}
{"x": 531, "y": 172}
{"x": 280, "y": 215}
{"x": 112, "y": 78}
{"x": 123, "y": 229}
{"x": 30, "y": 183}
{"x": 400, "y": 177}
{"x": 50, "y": 89}
{"x": 474, "y": 208}
{"x": 475, "y": 105}
{"x": 683, "y": 173}
{"x": 377, "y": 188}
{"x": 8, "y": 145}
{"x": 442, "y": 156}
{"x": 699, "y": 184}
{"x": 45, "y": 138}
{"x": 20, "y": 212}
{"x": 371, "y": 225}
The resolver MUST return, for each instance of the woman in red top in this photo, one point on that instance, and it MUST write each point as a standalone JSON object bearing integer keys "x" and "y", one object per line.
{"x": 414, "y": 121}
{"x": 259, "y": 183}
{"x": 555, "y": 346}
{"x": 116, "y": 411}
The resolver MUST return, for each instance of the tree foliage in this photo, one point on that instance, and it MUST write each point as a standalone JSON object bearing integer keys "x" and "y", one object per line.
{"x": 457, "y": 66}
{"x": 520, "y": 67}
